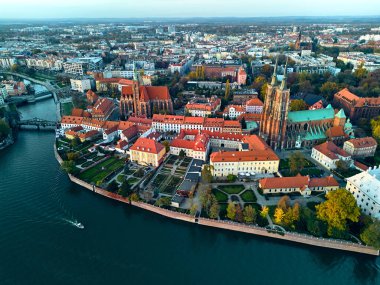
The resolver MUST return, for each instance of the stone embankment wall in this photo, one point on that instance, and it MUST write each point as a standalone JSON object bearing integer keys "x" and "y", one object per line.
{"x": 293, "y": 237}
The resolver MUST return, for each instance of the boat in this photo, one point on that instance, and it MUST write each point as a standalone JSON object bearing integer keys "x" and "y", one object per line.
{"x": 78, "y": 225}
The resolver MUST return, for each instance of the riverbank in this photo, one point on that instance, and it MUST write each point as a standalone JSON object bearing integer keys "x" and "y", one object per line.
{"x": 231, "y": 226}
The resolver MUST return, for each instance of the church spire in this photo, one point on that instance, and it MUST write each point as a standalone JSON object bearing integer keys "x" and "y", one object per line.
{"x": 284, "y": 79}
{"x": 274, "y": 76}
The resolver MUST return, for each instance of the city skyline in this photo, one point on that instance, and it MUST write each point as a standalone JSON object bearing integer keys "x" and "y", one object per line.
{"x": 23, "y": 9}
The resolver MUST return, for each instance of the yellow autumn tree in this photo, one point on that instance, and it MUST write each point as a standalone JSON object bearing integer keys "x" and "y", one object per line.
{"x": 278, "y": 215}
{"x": 264, "y": 211}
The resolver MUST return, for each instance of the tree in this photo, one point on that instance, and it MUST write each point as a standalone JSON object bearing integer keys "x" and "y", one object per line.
{"x": 227, "y": 91}
{"x": 231, "y": 178}
{"x": 284, "y": 203}
{"x": 231, "y": 211}
{"x": 204, "y": 197}
{"x": 264, "y": 211}
{"x": 305, "y": 87}
{"x": 75, "y": 141}
{"x": 206, "y": 173}
{"x": 328, "y": 89}
{"x": 182, "y": 153}
{"x": 214, "y": 208}
{"x": 163, "y": 202}
{"x": 249, "y": 214}
{"x": 193, "y": 209}
{"x": 125, "y": 189}
{"x": 371, "y": 235}
{"x": 72, "y": 156}
{"x": 296, "y": 162}
{"x": 68, "y": 166}
{"x": 339, "y": 208}
{"x": 134, "y": 197}
{"x": 297, "y": 105}
{"x": 140, "y": 172}
{"x": 5, "y": 130}
{"x": 113, "y": 186}
{"x": 15, "y": 68}
{"x": 167, "y": 145}
{"x": 278, "y": 215}
{"x": 243, "y": 123}
{"x": 239, "y": 214}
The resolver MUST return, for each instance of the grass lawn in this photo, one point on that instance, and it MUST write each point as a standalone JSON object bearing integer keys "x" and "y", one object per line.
{"x": 67, "y": 108}
{"x": 86, "y": 164}
{"x": 305, "y": 171}
{"x": 171, "y": 186}
{"x": 232, "y": 189}
{"x": 220, "y": 196}
{"x": 132, "y": 181}
{"x": 120, "y": 178}
{"x": 95, "y": 174}
{"x": 248, "y": 196}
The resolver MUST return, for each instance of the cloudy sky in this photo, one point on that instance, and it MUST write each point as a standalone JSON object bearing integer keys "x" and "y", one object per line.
{"x": 185, "y": 8}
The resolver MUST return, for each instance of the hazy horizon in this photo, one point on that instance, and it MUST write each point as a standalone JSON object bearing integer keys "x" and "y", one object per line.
{"x": 119, "y": 9}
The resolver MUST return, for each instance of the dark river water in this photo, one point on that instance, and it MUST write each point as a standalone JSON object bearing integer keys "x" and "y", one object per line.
{"x": 124, "y": 245}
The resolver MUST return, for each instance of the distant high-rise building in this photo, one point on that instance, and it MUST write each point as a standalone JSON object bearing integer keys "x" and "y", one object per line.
{"x": 171, "y": 29}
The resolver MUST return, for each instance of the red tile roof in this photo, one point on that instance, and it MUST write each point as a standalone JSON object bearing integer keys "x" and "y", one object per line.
{"x": 147, "y": 145}
{"x": 363, "y": 142}
{"x": 330, "y": 150}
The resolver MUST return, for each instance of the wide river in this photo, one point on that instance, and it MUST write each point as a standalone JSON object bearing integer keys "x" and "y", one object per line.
{"x": 124, "y": 245}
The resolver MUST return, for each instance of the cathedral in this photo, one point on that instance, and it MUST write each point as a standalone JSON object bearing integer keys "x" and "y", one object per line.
{"x": 144, "y": 100}
{"x": 283, "y": 129}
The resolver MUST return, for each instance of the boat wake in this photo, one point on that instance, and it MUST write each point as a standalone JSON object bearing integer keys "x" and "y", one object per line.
{"x": 75, "y": 224}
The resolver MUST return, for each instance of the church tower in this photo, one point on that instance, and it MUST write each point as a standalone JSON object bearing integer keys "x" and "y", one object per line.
{"x": 275, "y": 111}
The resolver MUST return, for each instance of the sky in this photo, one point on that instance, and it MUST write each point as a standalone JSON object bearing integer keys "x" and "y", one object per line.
{"x": 27, "y": 9}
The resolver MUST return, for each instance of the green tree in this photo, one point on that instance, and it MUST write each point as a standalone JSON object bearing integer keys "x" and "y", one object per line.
{"x": 231, "y": 211}
{"x": 72, "y": 156}
{"x": 68, "y": 166}
{"x": 297, "y": 105}
{"x": 15, "y": 68}
{"x": 182, "y": 153}
{"x": 339, "y": 208}
{"x": 328, "y": 89}
{"x": 5, "y": 130}
{"x": 193, "y": 209}
{"x": 125, "y": 189}
{"x": 75, "y": 141}
{"x": 296, "y": 162}
{"x": 249, "y": 214}
{"x": 243, "y": 124}
{"x": 231, "y": 178}
{"x": 163, "y": 202}
{"x": 371, "y": 235}
{"x": 113, "y": 186}
{"x": 204, "y": 197}
{"x": 206, "y": 173}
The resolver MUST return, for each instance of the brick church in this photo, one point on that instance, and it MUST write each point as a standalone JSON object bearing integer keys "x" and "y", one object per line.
{"x": 283, "y": 129}
{"x": 144, "y": 100}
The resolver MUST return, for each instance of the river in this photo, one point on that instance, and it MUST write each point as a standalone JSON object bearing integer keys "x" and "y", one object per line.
{"x": 121, "y": 244}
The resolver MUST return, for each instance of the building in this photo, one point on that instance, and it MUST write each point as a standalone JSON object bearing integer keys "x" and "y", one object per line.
{"x": 361, "y": 147}
{"x": 79, "y": 66}
{"x": 301, "y": 184}
{"x": 357, "y": 107}
{"x": 193, "y": 145}
{"x": 283, "y": 129}
{"x": 257, "y": 158}
{"x": 328, "y": 154}
{"x": 254, "y": 106}
{"x": 7, "y": 62}
{"x": 365, "y": 187}
{"x": 147, "y": 152}
{"x": 174, "y": 123}
{"x": 233, "y": 111}
{"x": 203, "y": 107}
{"x": 80, "y": 85}
{"x": 3, "y": 94}
{"x": 145, "y": 100}
{"x": 242, "y": 96}
{"x": 102, "y": 109}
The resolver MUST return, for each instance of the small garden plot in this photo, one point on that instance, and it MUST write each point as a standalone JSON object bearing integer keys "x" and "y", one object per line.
{"x": 120, "y": 178}
{"x": 248, "y": 196}
{"x": 232, "y": 189}
{"x": 87, "y": 164}
{"x": 159, "y": 179}
{"x": 171, "y": 186}
{"x": 132, "y": 181}
{"x": 100, "y": 171}
{"x": 220, "y": 196}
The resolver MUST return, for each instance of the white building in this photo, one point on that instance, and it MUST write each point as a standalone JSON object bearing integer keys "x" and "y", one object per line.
{"x": 328, "y": 154}
{"x": 80, "y": 85}
{"x": 6, "y": 62}
{"x": 365, "y": 187}
{"x": 234, "y": 111}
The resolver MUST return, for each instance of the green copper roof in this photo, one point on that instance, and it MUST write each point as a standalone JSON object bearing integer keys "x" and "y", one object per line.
{"x": 311, "y": 115}
{"x": 314, "y": 136}
{"x": 340, "y": 114}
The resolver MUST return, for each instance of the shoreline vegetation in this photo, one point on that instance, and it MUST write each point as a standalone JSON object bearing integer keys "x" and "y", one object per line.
{"x": 229, "y": 225}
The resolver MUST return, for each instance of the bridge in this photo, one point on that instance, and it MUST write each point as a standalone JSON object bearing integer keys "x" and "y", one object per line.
{"x": 38, "y": 124}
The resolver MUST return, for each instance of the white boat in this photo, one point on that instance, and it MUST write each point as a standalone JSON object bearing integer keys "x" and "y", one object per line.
{"x": 78, "y": 225}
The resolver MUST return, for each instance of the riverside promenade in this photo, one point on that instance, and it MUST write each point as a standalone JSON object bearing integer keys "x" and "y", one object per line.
{"x": 231, "y": 226}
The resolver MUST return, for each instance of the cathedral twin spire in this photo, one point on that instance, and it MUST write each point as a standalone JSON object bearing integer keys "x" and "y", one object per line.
{"x": 274, "y": 76}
